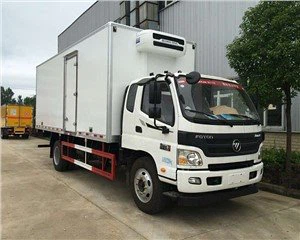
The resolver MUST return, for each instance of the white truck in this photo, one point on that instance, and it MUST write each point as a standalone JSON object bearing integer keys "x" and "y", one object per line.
{"x": 126, "y": 96}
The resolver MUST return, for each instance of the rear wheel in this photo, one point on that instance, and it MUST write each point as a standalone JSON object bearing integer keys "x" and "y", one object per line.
{"x": 145, "y": 186}
{"x": 3, "y": 134}
{"x": 25, "y": 136}
{"x": 59, "y": 164}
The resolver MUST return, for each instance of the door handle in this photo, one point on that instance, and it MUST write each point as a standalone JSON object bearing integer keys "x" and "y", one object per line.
{"x": 138, "y": 129}
{"x": 66, "y": 119}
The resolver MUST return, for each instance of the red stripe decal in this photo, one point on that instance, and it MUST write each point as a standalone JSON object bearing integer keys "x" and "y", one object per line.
{"x": 102, "y": 173}
{"x": 220, "y": 83}
{"x": 105, "y": 156}
{"x": 69, "y": 159}
{"x": 13, "y": 117}
{"x": 102, "y": 154}
{"x": 72, "y": 145}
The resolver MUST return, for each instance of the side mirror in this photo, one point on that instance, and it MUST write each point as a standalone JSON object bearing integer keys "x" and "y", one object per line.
{"x": 193, "y": 77}
{"x": 154, "y": 93}
{"x": 155, "y": 112}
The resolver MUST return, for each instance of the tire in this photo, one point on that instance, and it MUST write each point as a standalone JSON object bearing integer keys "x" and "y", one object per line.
{"x": 3, "y": 135}
{"x": 60, "y": 165}
{"x": 150, "y": 199}
{"x": 25, "y": 136}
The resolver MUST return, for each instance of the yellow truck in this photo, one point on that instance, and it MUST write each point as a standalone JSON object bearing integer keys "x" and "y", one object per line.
{"x": 16, "y": 120}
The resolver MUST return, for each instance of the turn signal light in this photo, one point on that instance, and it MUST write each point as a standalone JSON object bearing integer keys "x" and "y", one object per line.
{"x": 182, "y": 160}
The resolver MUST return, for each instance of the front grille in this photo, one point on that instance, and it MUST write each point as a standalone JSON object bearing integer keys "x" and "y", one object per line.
{"x": 221, "y": 145}
{"x": 229, "y": 166}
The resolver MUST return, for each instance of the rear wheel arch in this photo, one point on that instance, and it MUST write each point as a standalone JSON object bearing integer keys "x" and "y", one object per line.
{"x": 59, "y": 164}
{"x": 54, "y": 137}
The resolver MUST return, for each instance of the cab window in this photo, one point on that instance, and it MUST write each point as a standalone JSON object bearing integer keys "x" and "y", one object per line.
{"x": 167, "y": 107}
{"x": 131, "y": 97}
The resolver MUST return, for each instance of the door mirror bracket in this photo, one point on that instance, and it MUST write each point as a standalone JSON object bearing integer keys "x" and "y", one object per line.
{"x": 155, "y": 112}
{"x": 165, "y": 130}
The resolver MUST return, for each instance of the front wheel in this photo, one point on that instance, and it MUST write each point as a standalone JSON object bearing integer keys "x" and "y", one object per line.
{"x": 145, "y": 186}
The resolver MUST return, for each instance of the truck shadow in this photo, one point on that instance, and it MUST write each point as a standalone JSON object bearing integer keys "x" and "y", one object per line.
{"x": 14, "y": 138}
{"x": 119, "y": 193}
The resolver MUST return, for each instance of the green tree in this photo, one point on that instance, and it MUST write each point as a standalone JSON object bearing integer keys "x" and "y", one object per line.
{"x": 266, "y": 55}
{"x": 6, "y": 96}
{"x": 30, "y": 101}
{"x": 20, "y": 99}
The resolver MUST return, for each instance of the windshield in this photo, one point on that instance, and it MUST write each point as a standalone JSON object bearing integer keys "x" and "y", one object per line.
{"x": 216, "y": 101}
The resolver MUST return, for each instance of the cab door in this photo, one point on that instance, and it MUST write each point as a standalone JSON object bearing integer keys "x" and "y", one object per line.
{"x": 161, "y": 146}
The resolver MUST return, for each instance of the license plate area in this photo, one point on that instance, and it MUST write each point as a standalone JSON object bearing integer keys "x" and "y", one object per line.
{"x": 237, "y": 178}
{"x": 19, "y": 130}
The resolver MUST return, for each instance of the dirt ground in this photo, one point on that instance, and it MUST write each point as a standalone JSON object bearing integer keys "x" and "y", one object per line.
{"x": 38, "y": 202}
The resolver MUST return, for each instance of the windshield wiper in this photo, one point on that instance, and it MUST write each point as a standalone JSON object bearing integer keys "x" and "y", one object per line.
{"x": 204, "y": 113}
{"x": 211, "y": 115}
{"x": 241, "y": 115}
{"x": 247, "y": 117}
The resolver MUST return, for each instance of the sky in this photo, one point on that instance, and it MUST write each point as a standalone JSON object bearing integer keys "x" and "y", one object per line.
{"x": 29, "y": 37}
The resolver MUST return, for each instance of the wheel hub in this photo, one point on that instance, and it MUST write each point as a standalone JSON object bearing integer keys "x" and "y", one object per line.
{"x": 143, "y": 185}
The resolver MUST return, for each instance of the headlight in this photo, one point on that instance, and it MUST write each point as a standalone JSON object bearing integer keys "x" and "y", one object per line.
{"x": 260, "y": 153}
{"x": 189, "y": 158}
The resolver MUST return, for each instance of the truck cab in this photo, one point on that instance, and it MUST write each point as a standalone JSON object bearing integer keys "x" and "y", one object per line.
{"x": 197, "y": 136}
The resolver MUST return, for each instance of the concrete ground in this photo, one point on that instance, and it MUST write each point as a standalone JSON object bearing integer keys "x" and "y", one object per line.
{"x": 38, "y": 202}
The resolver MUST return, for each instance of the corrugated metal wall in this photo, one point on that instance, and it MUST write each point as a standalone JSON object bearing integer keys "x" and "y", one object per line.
{"x": 96, "y": 16}
{"x": 212, "y": 25}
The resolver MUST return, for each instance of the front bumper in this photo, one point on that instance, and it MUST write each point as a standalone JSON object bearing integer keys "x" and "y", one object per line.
{"x": 229, "y": 179}
{"x": 198, "y": 199}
